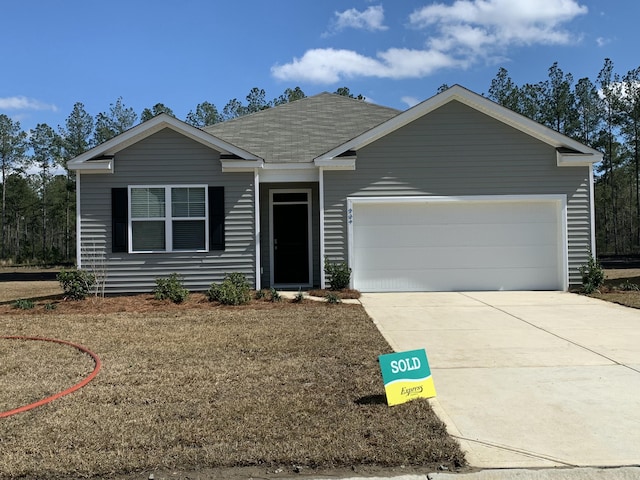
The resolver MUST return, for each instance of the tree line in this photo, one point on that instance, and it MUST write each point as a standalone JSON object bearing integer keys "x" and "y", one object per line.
{"x": 38, "y": 204}
{"x": 603, "y": 113}
{"x": 37, "y": 221}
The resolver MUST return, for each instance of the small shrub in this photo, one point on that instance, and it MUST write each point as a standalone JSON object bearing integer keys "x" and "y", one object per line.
{"x": 234, "y": 290}
{"x": 274, "y": 296}
{"x": 339, "y": 275}
{"x": 592, "y": 276}
{"x": 299, "y": 297}
{"x": 261, "y": 294}
{"x": 170, "y": 289}
{"x": 23, "y": 304}
{"x": 332, "y": 298}
{"x": 50, "y": 306}
{"x": 76, "y": 284}
{"x": 628, "y": 286}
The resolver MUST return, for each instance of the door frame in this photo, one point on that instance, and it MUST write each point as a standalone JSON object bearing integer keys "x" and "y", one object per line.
{"x": 308, "y": 192}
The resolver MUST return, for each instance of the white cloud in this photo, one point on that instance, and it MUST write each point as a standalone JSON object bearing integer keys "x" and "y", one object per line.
{"x": 410, "y": 101}
{"x": 371, "y": 19}
{"x": 458, "y": 35}
{"x": 498, "y": 23}
{"x": 601, "y": 41}
{"x": 328, "y": 65}
{"x": 25, "y": 103}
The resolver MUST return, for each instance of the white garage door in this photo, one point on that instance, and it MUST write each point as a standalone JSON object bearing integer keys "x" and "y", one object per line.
{"x": 447, "y": 245}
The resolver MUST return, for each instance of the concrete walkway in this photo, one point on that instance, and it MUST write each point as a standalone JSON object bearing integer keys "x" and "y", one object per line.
{"x": 526, "y": 379}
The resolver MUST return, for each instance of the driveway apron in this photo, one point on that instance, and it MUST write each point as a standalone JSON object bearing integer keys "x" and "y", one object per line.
{"x": 525, "y": 379}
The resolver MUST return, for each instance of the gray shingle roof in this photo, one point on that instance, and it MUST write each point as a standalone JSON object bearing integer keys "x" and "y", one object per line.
{"x": 300, "y": 131}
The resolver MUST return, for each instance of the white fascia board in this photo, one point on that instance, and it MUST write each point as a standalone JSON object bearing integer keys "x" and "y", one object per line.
{"x": 577, "y": 159}
{"x": 473, "y": 100}
{"x": 274, "y": 172}
{"x": 148, "y": 128}
{"x": 346, "y": 163}
{"x": 289, "y": 166}
{"x": 290, "y": 172}
{"x": 96, "y": 166}
{"x": 229, "y": 166}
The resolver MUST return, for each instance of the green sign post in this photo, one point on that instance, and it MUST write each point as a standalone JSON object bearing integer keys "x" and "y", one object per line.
{"x": 406, "y": 376}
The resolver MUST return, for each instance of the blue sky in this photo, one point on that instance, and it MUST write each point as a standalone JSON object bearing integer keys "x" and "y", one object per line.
{"x": 394, "y": 52}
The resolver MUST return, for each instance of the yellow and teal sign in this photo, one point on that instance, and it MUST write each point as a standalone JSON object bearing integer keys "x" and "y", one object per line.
{"x": 406, "y": 376}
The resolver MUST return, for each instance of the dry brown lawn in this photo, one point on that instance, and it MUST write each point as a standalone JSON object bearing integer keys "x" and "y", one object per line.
{"x": 618, "y": 287}
{"x": 203, "y": 388}
{"x": 25, "y": 282}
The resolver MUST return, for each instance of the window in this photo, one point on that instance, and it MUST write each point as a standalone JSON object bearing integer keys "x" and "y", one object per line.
{"x": 168, "y": 218}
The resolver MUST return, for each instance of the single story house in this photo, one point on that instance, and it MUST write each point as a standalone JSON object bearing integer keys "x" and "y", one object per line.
{"x": 456, "y": 193}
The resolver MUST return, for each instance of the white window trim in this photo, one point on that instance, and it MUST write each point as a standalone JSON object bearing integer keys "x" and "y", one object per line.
{"x": 168, "y": 219}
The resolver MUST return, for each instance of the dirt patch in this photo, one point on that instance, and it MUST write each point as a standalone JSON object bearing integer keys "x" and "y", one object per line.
{"x": 630, "y": 274}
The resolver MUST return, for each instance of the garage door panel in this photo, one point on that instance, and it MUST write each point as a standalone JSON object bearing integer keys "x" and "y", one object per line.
{"x": 468, "y": 245}
{"x": 457, "y": 235}
{"x": 445, "y": 213}
{"x": 461, "y": 280}
{"x": 454, "y": 257}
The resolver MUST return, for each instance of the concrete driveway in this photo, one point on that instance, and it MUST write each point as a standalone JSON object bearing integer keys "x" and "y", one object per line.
{"x": 526, "y": 379}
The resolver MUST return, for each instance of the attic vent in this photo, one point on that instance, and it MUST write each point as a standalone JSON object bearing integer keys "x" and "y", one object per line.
{"x": 567, "y": 150}
{"x": 348, "y": 153}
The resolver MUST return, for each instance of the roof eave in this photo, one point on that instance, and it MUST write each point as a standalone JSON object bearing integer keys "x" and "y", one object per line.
{"x": 342, "y": 163}
{"x": 150, "y": 127}
{"x": 473, "y": 100}
{"x": 577, "y": 159}
{"x": 94, "y": 166}
{"x": 229, "y": 166}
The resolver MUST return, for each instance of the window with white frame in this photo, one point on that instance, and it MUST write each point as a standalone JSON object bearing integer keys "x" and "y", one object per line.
{"x": 168, "y": 218}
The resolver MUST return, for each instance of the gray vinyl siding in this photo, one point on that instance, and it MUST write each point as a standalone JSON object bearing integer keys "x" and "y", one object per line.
{"x": 166, "y": 158}
{"x": 265, "y": 233}
{"x": 458, "y": 151}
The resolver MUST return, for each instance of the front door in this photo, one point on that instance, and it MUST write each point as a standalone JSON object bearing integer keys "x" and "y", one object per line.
{"x": 290, "y": 238}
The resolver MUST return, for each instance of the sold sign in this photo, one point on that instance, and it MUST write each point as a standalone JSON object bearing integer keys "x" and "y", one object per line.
{"x": 406, "y": 376}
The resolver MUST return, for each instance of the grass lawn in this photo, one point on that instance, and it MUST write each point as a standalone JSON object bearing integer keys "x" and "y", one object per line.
{"x": 24, "y": 282}
{"x": 194, "y": 387}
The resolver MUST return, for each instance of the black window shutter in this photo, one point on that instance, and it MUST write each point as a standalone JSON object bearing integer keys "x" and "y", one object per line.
{"x": 216, "y": 218}
{"x": 119, "y": 220}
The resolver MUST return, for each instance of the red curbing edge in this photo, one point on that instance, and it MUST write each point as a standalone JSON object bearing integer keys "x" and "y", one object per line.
{"x": 77, "y": 386}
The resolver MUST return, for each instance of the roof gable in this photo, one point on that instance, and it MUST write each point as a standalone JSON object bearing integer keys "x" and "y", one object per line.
{"x": 580, "y": 154}
{"x": 100, "y": 158}
{"x": 299, "y": 131}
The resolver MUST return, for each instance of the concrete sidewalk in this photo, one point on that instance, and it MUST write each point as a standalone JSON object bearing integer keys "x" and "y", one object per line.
{"x": 526, "y": 379}
{"x": 624, "y": 473}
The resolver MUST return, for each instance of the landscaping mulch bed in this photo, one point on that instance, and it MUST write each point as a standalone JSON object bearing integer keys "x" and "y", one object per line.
{"x": 198, "y": 390}
{"x": 622, "y": 286}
